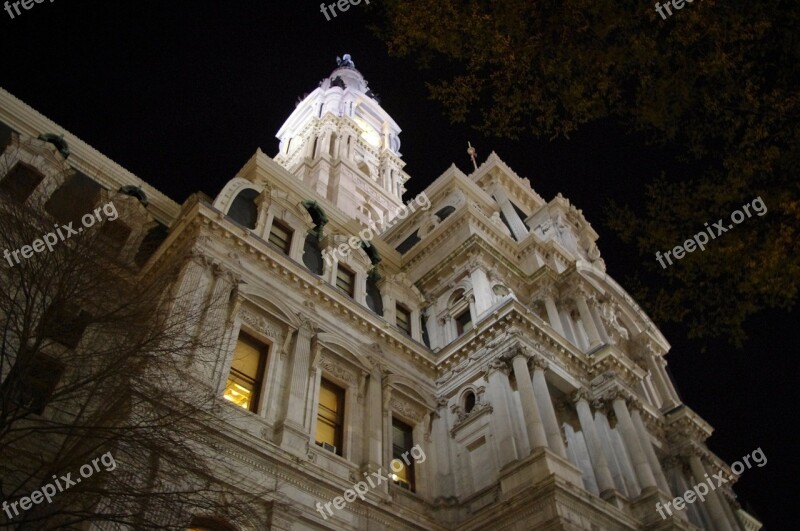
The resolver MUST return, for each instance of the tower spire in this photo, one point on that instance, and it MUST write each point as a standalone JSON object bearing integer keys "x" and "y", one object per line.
{"x": 473, "y": 154}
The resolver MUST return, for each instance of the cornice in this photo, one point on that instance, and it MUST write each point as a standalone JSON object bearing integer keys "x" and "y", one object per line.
{"x": 84, "y": 158}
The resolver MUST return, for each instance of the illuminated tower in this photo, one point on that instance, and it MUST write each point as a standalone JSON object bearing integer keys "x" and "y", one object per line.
{"x": 340, "y": 141}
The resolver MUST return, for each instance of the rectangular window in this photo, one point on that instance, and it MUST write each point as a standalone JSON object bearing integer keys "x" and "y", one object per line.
{"x": 330, "y": 417}
{"x": 346, "y": 280}
{"x": 463, "y": 322}
{"x": 30, "y": 385}
{"x": 64, "y": 324}
{"x": 20, "y": 182}
{"x": 403, "y": 318}
{"x": 247, "y": 373}
{"x": 402, "y": 466}
{"x": 280, "y": 236}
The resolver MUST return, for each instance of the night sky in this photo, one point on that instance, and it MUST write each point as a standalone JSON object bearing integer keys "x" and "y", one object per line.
{"x": 183, "y": 93}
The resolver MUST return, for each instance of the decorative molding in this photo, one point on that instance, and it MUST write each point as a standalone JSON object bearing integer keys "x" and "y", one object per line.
{"x": 406, "y": 409}
{"x": 335, "y": 369}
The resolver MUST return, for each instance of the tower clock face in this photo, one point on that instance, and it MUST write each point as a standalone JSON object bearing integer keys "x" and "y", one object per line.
{"x": 368, "y": 132}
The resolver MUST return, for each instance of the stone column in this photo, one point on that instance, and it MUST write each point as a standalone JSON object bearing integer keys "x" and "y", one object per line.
{"x": 295, "y": 430}
{"x": 670, "y": 389}
{"x": 661, "y": 385}
{"x": 640, "y": 464}
{"x": 360, "y": 288}
{"x": 647, "y": 446}
{"x": 517, "y": 225}
{"x": 713, "y": 500}
{"x": 374, "y": 431}
{"x": 587, "y": 319}
{"x": 548, "y": 297}
{"x": 545, "y": 402}
{"x": 537, "y": 436}
{"x": 598, "y": 321}
{"x": 441, "y": 446}
{"x": 498, "y": 390}
{"x": 569, "y": 327}
{"x": 190, "y": 287}
{"x": 601, "y": 471}
{"x": 481, "y": 289}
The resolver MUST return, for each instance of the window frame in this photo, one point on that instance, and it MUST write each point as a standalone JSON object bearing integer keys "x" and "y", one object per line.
{"x": 401, "y": 308}
{"x": 397, "y": 454}
{"x": 460, "y": 327}
{"x": 339, "y": 422}
{"x": 282, "y": 226}
{"x": 258, "y": 382}
{"x": 352, "y": 275}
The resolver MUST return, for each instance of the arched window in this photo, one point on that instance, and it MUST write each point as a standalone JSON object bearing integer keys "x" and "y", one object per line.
{"x": 332, "y": 146}
{"x": 469, "y": 401}
{"x": 446, "y": 211}
{"x": 244, "y": 210}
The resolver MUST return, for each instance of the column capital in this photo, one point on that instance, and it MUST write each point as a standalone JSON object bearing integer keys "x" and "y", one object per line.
{"x": 441, "y": 402}
{"x": 497, "y": 364}
{"x": 620, "y": 394}
{"x": 516, "y": 351}
{"x": 548, "y": 289}
{"x": 539, "y": 362}
{"x": 581, "y": 394}
{"x": 675, "y": 461}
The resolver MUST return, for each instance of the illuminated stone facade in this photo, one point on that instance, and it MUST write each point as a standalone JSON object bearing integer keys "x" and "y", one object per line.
{"x": 535, "y": 385}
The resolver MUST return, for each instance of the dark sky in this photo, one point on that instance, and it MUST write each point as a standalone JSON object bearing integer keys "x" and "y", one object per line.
{"x": 182, "y": 93}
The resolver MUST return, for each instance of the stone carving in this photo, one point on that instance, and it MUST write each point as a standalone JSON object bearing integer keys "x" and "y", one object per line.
{"x": 262, "y": 325}
{"x": 406, "y": 409}
{"x": 610, "y": 316}
{"x": 581, "y": 394}
{"x": 336, "y": 370}
{"x": 539, "y": 362}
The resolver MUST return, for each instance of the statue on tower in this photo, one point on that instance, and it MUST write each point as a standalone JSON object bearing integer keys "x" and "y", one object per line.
{"x": 345, "y": 61}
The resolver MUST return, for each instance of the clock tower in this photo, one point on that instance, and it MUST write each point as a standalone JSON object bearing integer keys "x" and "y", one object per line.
{"x": 341, "y": 142}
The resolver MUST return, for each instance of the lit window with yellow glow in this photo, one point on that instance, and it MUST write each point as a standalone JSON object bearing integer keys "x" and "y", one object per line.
{"x": 247, "y": 372}
{"x": 402, "y": 441}
{"x": 330, "y": 417}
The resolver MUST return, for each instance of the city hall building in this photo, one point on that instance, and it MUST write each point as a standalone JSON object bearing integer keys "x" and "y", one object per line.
{"x": 463, "y": 360}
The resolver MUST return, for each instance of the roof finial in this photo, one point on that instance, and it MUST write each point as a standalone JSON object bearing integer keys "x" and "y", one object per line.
{"x": 473, "y": 154}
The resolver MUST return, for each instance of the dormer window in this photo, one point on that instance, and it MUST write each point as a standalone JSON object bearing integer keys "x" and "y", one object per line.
{"x": 403, "y": 319}
{"x": 346, "y": 280}
{"x": 463, "y": 322}
{"x": 280, "y": 236}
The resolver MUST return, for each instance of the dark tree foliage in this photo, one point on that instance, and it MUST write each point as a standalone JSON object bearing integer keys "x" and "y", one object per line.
{"x": 715, "y": 81}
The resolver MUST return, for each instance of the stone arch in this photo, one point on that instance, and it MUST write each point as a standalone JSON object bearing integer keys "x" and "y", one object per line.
{"x": 411, "y": 388}
{"x": 329, "y": 339}
{"x": 286, "y": 311}
{"x": 231, "y": 190}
